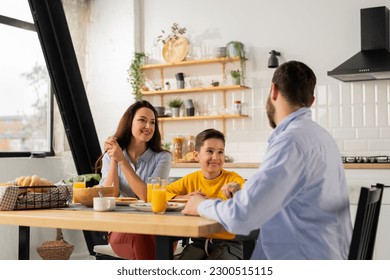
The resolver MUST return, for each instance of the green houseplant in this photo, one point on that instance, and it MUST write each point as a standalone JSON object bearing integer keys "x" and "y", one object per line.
{"x": 237, "y": 48}
{"x": 136, "y": 75}
{"x": 236, "y": 75}
{"x": 175, "y": 105}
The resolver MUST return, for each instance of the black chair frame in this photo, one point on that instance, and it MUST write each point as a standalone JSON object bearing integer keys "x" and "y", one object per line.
{"x": 366, "y": 223}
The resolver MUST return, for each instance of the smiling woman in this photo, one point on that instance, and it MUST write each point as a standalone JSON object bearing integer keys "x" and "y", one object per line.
{"x": 25, "y": 112}
{"x": 133, "y": 154}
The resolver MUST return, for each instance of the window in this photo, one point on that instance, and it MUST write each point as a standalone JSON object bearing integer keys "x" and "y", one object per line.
{"x": 26, "y": 99}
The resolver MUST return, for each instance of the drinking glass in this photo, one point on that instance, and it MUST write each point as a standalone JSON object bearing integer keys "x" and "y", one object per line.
{"x": 152, "y": 181}
{"x": 79, "y": 182}
{"x": 159, "y": 200}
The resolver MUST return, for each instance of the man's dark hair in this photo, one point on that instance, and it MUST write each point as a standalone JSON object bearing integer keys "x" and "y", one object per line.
{"x": 296, "y": 81}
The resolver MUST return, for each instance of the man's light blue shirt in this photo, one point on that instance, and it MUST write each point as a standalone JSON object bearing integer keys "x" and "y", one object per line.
{"x": 298, "y": 197}
{"x": 150, "y": 164}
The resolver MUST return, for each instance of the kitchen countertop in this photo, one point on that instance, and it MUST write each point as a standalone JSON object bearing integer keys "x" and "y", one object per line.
{"x": 367, "y": 165}
{"x": 226, "y": 165}
{"x": 256, "y": 165}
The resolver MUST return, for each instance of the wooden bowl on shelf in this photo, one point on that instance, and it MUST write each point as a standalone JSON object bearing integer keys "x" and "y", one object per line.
{"x": 85, "y": 196}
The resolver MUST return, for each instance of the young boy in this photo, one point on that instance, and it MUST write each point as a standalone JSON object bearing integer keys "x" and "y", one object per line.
{"x": 211, "y": 181}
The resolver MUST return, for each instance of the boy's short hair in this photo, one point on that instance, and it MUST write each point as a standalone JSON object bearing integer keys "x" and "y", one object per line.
{"x": 207, "y": 134}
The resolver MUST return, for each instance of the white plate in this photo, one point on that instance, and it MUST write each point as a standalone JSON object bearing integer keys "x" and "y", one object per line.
{"x": 147, "y": 207}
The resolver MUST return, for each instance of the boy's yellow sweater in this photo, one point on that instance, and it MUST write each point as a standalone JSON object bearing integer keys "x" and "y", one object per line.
{"x": 212, "y": 188}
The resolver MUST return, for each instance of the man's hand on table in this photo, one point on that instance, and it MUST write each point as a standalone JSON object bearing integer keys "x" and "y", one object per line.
{"x": 191, "y": 207}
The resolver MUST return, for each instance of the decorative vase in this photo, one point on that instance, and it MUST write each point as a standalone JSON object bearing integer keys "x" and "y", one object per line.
{"x": 236, "y": 81}
{"x": 175, "y": 50}
{"x": 175, "y": 112}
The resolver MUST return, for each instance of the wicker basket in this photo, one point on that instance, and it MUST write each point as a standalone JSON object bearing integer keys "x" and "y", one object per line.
{"x": 55, "y": 250}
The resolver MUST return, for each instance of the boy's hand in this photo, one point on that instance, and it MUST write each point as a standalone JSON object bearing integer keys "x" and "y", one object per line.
{"x": 191, "y": 207}
{"x": 229, "y": 189}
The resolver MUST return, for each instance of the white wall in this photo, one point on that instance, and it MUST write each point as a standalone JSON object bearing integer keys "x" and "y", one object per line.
{"x": 110, "y": 49}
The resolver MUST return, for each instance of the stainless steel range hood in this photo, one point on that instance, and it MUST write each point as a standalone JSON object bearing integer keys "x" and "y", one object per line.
{"x": 373, "y": 61}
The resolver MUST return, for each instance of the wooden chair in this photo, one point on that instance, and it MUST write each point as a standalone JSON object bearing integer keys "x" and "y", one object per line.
{"x": 366, "y": 223}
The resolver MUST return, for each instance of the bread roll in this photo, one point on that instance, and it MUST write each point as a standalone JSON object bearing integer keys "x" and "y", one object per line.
{"x": 26, "y": 182}
{"x": 35, "y": 180}
{"x": 19, "y": 180}
{"x": 190, "y": 156}
{"x": 45, "y": 182}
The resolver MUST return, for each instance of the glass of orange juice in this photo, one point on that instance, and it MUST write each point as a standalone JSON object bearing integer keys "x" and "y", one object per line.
{"x": 159, "y": 198}
{"x": 79, "y": 182}
{"x": 152, "y": 181}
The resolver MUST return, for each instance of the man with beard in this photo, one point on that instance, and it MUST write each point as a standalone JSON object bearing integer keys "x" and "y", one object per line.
{"x": 298, "y": 197}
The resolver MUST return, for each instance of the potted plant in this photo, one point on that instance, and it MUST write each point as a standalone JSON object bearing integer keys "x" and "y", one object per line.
{"x": 166, "y": 146}
{"x": 236, "y": 75}
{"x": 175, "y": 105}
{"x": 136, "y": 75}
{"x": 237, "y": 48}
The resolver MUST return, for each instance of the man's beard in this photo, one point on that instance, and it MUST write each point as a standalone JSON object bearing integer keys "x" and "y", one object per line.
{"x": 270, "y": 109}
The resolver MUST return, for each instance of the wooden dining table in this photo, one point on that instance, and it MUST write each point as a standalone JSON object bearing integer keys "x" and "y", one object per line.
{"x": 166, "y": 227}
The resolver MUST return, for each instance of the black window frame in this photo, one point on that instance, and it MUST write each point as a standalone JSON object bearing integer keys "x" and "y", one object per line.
{"x": 53, "y": 32}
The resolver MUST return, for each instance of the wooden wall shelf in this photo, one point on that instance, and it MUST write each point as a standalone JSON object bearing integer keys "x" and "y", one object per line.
{"x": 194, "y": 90}
{"x": 191, "y": 63}
{"x": 222, "y": 89}
{"x": 218, "y": 117}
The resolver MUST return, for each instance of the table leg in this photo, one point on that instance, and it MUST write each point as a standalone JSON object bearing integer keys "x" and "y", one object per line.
{"x": 24, "y": 243}
{"x": 164, "y": 247}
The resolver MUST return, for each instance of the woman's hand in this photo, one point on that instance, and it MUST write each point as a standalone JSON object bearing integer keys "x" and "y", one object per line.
{"x": 229, "y": 189}
{"x": 113, "y": 149}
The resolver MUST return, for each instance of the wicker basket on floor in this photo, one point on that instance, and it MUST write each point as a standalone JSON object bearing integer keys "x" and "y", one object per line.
{"x": 55, "y": 250}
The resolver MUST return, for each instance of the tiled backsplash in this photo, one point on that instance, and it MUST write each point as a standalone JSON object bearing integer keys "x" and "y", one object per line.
{"x": 356, "y": 114}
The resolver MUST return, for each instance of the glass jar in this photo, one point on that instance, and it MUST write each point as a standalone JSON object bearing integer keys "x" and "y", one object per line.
{"x": 191, "y": 144}
{"x": 237, "y": 107}
{"x": 178, "y": 148}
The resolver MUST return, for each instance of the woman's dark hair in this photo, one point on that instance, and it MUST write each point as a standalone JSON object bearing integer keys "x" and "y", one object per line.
{"x": 207, "y": 134}
{"x": 296, "y": 81}
{"x": 123, "y": 132}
